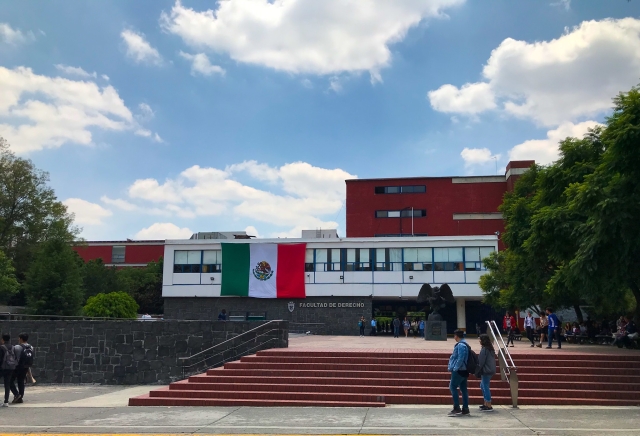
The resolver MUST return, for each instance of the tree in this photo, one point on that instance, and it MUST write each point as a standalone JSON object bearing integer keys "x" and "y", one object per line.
{"x": 97, "y": 278}
{"x": 112, "y": 305}
{"x": 539, "y": 232}
{"x": 8, "y": 283}
{"x": 28, "y": 209}
{"x": 144, "y": 285}
{"x": 607, "y": 261}
{"x": 53, "y": 284}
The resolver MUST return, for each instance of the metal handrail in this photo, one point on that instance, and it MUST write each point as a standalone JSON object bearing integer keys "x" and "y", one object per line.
{"x": 183, "y": 360}
{"x": 508, "y": 372}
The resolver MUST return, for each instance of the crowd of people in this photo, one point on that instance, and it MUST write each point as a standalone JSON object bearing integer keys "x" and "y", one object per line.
{"x": 15, "y": 367}
{"x": 411, "y": 327}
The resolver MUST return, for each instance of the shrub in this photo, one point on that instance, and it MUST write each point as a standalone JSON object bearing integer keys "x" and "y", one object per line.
{"x": 112, "y": 305}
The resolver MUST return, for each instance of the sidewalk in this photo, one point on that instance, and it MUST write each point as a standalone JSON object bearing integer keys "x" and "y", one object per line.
{"x": 103, "y": 410}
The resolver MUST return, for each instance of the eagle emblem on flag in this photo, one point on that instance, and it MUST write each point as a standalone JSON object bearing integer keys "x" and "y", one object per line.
{"x": 263, "y": 271}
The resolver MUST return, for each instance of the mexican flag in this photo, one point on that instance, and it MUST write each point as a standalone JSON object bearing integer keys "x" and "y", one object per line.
{"x": 263, "y": 270}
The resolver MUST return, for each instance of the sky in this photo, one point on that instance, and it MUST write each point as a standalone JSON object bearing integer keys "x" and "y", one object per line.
{"x": 157, "y": 119}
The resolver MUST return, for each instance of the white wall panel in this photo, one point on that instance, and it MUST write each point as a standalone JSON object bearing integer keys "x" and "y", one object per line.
{"x": 358, "y": 276}
{"x": 354, "y": 290}
{"x": 191, "y": 291}
{"x": 206, "y": 278}
{"x": 421, "y": 277}
{"x": 329, "y": 277}
{"x": 449, "y": 276}
{"x": 474, "y": 276}
{"x": 186, "y": 279}
{"x": 387, "y": 276}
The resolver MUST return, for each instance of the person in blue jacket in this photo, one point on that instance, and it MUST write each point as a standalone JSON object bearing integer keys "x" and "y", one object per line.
{"x": 554, "y": 327}
{"x": 458, "y": 369}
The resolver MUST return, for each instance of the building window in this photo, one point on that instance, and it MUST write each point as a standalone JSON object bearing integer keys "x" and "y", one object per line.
{"x": 117, "y": 253}
{"x": 388, "y": 259}
{"x": 418, "y": 259}
{"x": 328, "y": 259}
{"x": 212, "y": 261}
{"x": 411, "y": 189}
{"x": 473, "y": 257}
{"x": 417, "y": 213}
{"x": 187, "y": 261}
{"x": 448, "y": 259}
{"x": 358, "y": 259}
{"x": 308, "y": 260}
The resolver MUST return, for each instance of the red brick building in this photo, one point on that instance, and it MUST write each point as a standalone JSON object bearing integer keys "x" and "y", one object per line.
{"x": 429, "y": 206}
{"x": 122, "y": 253}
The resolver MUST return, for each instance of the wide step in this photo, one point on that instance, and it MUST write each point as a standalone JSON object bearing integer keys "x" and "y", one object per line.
{"x": 285, "y": 377}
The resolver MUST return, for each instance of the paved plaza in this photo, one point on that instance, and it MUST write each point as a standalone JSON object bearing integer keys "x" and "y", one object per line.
{"x": 88, "y": 409}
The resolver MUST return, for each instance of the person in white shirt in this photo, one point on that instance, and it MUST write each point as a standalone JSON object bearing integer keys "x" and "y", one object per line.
{"x": 530, "y": 326}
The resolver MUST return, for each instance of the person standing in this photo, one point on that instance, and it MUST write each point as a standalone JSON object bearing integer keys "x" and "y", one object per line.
{"x": 530, "y": 326}
{"x": 459, "y": 374}
{"x": 554, "y": 328}
{"x": 373, "y": 327}
{"x": 9, "y": 363}
{"x": 406, "y": 325}
{"x": 508, "y": 324}
{"x": 396, "y": 327}
{"x": 361, "y": 325}
{"x": 544, "y": 323}
{"x": 421, "y": 328}
{"x": 24, "y": 355}
{"x": 486, "y": 369}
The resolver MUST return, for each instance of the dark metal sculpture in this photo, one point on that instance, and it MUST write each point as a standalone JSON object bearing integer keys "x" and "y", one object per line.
{"x": 436, "y": 298}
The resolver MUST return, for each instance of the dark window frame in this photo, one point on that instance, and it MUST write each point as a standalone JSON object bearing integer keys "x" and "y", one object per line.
{"x": 400, "y": 189}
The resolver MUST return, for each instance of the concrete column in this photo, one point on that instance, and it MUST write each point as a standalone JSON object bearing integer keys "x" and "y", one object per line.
{"x": 462, "y": 313}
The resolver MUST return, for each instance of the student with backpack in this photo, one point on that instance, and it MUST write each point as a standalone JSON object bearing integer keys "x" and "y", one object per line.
{"x": 9, "y": 363}
{"x": 462, "y": 361}
{"x": 24, "y": 355}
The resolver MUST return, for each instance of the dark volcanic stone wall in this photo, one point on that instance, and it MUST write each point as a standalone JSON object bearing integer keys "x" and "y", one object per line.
{"x": 125, "y": 352}
{"x": 320, "y": 315}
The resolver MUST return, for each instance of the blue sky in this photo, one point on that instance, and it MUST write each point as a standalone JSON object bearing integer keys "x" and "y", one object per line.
{"x": 156, "y": 119}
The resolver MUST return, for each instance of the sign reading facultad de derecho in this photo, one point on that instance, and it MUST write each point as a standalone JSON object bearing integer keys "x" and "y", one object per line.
{"x": 331, "y": 305}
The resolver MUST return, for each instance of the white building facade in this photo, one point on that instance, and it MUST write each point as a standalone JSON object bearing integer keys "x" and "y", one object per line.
{"x": 364, "y": 271}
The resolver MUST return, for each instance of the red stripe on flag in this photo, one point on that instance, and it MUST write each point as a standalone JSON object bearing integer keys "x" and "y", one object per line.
{"x": 290, "y": 276}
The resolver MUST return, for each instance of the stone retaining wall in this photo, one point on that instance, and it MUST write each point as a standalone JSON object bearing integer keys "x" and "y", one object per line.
{"x": 125, "y": 352}
{"x": 320, "y": 315}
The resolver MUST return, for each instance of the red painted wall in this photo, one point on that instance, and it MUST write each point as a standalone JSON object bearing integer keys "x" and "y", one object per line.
{"x": 140, "y": 254}
{"x": 441, "y": 200}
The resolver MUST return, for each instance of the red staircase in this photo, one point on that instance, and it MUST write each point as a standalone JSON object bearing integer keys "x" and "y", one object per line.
{"x": 285, "y": 377}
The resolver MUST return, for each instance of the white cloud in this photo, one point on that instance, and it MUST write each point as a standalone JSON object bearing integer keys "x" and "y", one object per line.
{"x": 309, "y": 193}
{"x": 145, "y": 111}
{"x": 119, "y": 203}
{"x": 545, "y": 151}
{"x": 75, "y": 71}
{"x": 472, "y": 98}
{"x": 252, "y": 231}
{"x": 86, "y": 212}
{"x": 163, "y": 231}
{"x": 200, "y": 64}
{"x": 325, "y": 37}
{"x": 13, "y": 36}
{"x": 566, "y": 4}
{"x": 335, "y": 84}
{"x": 477, "y": 156}
{"x": 105, "y": 77}
{"x": 39, "y": 112}
{"x": 139, "y": 49}
{"x": 569, "y": 78}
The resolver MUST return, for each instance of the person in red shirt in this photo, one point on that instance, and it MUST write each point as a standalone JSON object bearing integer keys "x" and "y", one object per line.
{"x": 508, "y": 325}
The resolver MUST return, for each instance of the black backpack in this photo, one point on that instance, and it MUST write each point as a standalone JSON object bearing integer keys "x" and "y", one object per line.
{"x": 472, "y": 360}
{"x": 26, "y": 357}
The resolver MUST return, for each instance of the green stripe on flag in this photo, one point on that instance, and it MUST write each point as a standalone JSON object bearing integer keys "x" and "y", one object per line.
{"x": 235, "y": 270}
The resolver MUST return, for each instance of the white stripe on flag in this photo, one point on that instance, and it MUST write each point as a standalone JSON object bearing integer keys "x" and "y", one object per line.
{"x": 263, "y": 285}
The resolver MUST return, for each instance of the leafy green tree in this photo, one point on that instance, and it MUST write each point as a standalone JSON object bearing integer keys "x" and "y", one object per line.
{"x": 28, "y": 209}
{"x": 54, "y": 281}
{"x": 144, "y": 285}
{"x": 607, "y": 261}
{"x": 112, "y": 305}
{"x": 97, "y": 278}
{"x": 8, "y": 283}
